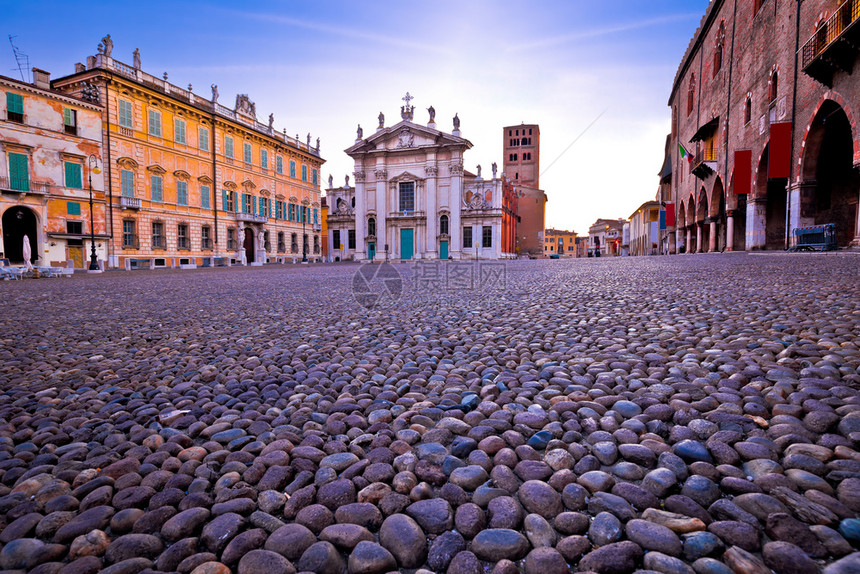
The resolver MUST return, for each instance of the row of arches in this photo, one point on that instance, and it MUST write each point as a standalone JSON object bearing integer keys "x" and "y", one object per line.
{"x": 826, "y": 190}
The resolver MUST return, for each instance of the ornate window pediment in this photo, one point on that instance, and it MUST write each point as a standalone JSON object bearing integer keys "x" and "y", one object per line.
{"x": 248, "y": 184}
{"x": 156, "y": 169}
{"x": 294, "y": 199}
{"x": 265, "y": 192}
{"x": 205, "y": 180}
{"x": 126, "y": 163}
{"x": 229, "y": 185}
{"x": 280, "y": 196}
{"x": 405, "y": 176}
{"x": 181, "y": 174}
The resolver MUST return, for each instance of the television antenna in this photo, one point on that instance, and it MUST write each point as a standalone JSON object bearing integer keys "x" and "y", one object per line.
{"x": 22, "y": 59}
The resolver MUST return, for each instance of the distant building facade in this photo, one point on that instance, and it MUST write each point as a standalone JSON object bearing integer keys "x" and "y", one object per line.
{"x": 190, "y": 180}
{"x": 51, "y": 148}
{"x": 604, "y": 238}
{"x": 559, "y": 242}
{"x": 413, "y": 199}
{"x": 764, "y": 135}
{"x": 521, "y": 164}
{"x": 645, "y": 229}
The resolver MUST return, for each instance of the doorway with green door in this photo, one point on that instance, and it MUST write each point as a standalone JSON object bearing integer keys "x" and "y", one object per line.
{"x": 407, "y": 243}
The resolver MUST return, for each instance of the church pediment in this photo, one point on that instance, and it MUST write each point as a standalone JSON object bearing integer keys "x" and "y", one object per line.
{"x": 405, "y": 176}
{"x": 404, "y": 136}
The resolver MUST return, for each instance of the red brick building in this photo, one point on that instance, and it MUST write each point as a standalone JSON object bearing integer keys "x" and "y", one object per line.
{"x": 764, "y": 134}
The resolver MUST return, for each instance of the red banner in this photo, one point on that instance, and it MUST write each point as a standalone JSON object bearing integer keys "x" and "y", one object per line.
{"x": 779, "y": 158}
{"x": 670, "y": 214}
{"x": 743, "y": 172}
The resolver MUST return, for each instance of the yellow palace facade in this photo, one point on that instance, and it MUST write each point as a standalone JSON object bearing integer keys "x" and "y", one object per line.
{"x": 191, "y": 182}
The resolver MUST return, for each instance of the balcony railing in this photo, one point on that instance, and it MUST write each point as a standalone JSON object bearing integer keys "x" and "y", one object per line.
{"x": 36, "y": 187}
{"x": 250, "y": 217}
{"x": 832, "y": 47}
{"x": 129, "y": 202}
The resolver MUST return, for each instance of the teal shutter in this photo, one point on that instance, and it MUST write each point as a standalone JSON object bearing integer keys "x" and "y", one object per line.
{"x": 236, "y": 205}
{"x": 125, "y": 114}
{"x": 157, "y": 189}
{"x": 73, "y": 208}
{"x": 181, "y": 193}
{"x": 19, "y": 171}
{"x": 224, "y": 199}
{"x": 14, "y": 103}
{"x": 271, "y": 208}
{"x": 127, "y": 183}
{"x": 254, "y": 199}
{"x": 316, "y": 216}
{"x": 204, "y": 196}
{"x": 73, "y": 175}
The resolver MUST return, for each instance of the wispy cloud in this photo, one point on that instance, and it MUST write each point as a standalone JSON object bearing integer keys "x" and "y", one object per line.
{"x": 603, "y": 31}
{"x": 350, "y": 33}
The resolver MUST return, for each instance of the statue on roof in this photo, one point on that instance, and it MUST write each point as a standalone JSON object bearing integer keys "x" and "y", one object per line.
{"x": 432, "y": 111}
{"x": 108, "y": 44}
{"x": 456, "y": 122}
{"x": 347, "y": 181}
{"x": 318, "y": 144}
{"x": 136, "y": 58}
{"x": 271, "y": 120}
{"x": 214, "y": 93}
{"x": 381, "y": 120}
{"x": 495, "y": 168}
{"x": 359, "y": 133}
{"x": 330, "y": 181}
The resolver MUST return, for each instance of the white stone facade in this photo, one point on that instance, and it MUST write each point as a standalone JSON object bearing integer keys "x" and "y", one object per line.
{"x": 413, "y": 195}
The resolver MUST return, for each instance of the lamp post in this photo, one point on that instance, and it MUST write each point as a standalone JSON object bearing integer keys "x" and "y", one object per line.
{"x": 93, "y": 164}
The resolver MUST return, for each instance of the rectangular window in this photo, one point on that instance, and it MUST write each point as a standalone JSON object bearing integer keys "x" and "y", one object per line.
{"x": 14, "y": 107}
{"x": 467, "y": 237}
{"x": 70, "y": 121}
{"x": 204, "y": 197}
{"x": 264, "y": 159}
{"x": 19, "y": 172}
{"x": 407, "y": 196}
{"x": 336, "y": 238}
{"x": 129, "y": 237}
{"x": 126, "y": 115}
{"x": 75, "y": 227}
{"x": 154, "y": 123}
{"x": 73, "y": 175}
{"x": 179, "y": 130}
{"x": 247, "y": 153}
{"x": 228, "y": 146}
{"x": 265, "y": 206}
{"x": 279, "y": 209}
{"x": 292, "y": 168}
{"x": 351, "y": 238}
{"x": 157, "y": 190}
{"x": 487, "y": 239}
{"x": 158, "y": 241}
{"x": 73, "y": 208}
{"x": 181, "y": 193}
{"x": 127, "y": 177}
{"x": 182, "y": 236}
{"x": 246, "y": 203}
{"x": 304, "y": 172}
{"x": 279, "y": 164}
{"x": 203, "y": 139}
{"x": 231, "y": 238}
{"x": 315, "y": 177}
{"x": 227, "y": 199}
{"x": 206, "y": 237}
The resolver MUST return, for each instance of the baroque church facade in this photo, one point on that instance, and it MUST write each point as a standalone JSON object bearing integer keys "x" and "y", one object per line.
{"x": 413, "y": 199}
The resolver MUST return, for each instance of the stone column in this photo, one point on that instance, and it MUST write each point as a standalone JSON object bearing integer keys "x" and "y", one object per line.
{"x": 712, "y": 236}
{"x": 689, "y": 243}
{"x": 360, "y": 214}
{"x": 756, "y": 238}
{"x": 431, "y": 242}
{"x": 730, "y": 230}
{"x": 699, "y": 248}
{"x": 382, "y": 209}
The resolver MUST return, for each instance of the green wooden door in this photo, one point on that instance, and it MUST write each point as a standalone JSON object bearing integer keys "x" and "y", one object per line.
{"x": 371, "y": 250}
{"x": 406, "y": 243}
{"x": 443, "y": 250}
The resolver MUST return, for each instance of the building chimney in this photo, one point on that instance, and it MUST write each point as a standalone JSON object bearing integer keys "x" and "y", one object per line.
{"x": 41, "y": 79}
{"x": 79, "y": 67}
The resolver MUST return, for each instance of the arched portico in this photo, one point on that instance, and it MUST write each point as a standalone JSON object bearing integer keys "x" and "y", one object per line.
{"x": 18, "y": 221}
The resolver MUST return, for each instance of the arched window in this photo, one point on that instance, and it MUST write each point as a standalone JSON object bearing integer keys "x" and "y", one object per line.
{"x": 353, "y": 202}
{"x": 748, "y": 110}
{"x": 294, "y": 243}
{"x": 773, "y": 89}
{"x": 691, "y": 94}
{"x": 443, "y": 225}
{"x": 718, "y": 50}
{"x": 371, "y": 226}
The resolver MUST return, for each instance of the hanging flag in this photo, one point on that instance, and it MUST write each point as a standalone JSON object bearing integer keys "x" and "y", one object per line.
{"x": 683, "y": 151}
{"x": 670, "y": 214}
{"x": 779, "y": 158}
{"x": 662, "y": 220}
{"x": 743, "y": 172}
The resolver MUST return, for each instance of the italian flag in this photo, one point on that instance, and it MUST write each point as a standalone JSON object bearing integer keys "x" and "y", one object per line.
{"x": 685, "y": 153}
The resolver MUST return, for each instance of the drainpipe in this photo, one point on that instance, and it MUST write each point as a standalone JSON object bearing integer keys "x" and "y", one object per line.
{"x": 793, "y": 127}
{"x": 109, "y": 164}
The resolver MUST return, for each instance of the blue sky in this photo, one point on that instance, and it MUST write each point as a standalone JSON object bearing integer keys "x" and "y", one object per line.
{"x": 325, "y": 66}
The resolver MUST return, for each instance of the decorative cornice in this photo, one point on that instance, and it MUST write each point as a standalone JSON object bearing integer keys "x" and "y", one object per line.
{"x": 248, "y": 184}
{"x": 205, "y": 180}
{"x": 126, "y": 163}
{"x": 155, "y": 168}
{"x": 229, "y": 185}
{"x": 265, "y": 192}
{"x": 183, "y": 175}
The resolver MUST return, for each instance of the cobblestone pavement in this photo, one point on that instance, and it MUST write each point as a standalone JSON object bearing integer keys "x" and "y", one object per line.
{"x": 669, "y": 414}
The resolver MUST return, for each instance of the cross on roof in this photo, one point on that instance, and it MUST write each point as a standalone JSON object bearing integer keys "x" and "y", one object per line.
{"x": 407, "y": 98}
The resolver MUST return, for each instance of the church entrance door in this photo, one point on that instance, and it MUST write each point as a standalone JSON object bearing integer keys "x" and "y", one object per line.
{"x": 371, "y": 250}
{"x": 443, "y": 250}
{"x": 248, "y": 244}
{"x": 406, "y": 243}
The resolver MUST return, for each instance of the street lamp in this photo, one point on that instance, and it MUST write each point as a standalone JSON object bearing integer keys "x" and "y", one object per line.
{"x": 93, "y": 163}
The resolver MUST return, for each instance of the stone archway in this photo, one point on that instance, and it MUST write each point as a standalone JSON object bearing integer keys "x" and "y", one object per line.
{"x": 766, "y": 212}
{"x": 680, "y": 229}
{"x": 19, "y": 221}
{"x": 703, "y": 231}
{"x": 717, "y": 217}
{"x": 692, "y": 246}
{"x": 738, "y": 214}
{"x": 830, "y": 186}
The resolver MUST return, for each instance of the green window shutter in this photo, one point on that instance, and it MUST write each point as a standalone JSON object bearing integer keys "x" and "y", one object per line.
{"x": 157, "y": 190}
{"x": 73, "y": 208}
{"x": 316, "y": 216}
{"x": 67, "y": 117}
{"x": 236, "y": 203}
{"x": 204, "y": 196}
{"x": 126, "y": 117}
{"x": 181, "y": 193}
{"x": 14, "y": 103}
{"x": 224, "y": 193}
{"x": 280, "y": 164}
{"x": 154, "y": 123}
{"x": 179, "y": 130}
{"x": 127, "y": 183}
{"x": 19, "y": 171}
{"x": 292, "y": 169}
{"x": 304, "y": 173}
{"x": 73, "y": 175}
{"x": 316, "y": 177}
{"x": 254, "y": 200}
{"x": 247, "y": 153}
{"x": 203, "y": 138}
